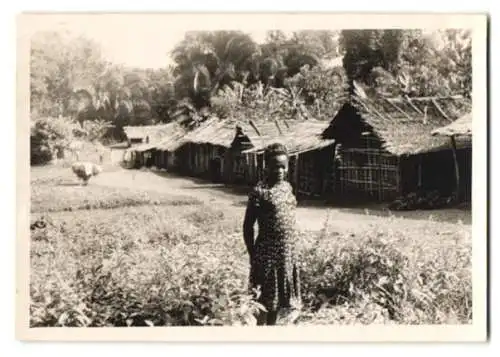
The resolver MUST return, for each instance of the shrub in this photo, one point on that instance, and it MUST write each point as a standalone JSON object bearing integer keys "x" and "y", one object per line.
{"x": 409, "y": 285}
{"x": 167, "y": 272}
{"x": 49, "y": 135}
{"x": 181, "y": 262}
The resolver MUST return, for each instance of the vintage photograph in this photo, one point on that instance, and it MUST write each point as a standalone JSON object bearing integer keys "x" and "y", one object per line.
{"x": 289, "y": 177}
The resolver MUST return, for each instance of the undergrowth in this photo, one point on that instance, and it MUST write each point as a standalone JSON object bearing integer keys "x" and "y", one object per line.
{"x": 183, "y": 263}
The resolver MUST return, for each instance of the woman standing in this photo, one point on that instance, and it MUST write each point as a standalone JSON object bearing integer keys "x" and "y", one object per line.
{"x": 273, "y": 255}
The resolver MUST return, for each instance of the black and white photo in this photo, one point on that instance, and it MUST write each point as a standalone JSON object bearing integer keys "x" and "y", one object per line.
{"x": 275, "y": 175}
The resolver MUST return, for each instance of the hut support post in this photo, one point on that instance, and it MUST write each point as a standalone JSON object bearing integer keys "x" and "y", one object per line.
{"x": 255, "y": 169}
{"x": 296, "y": 174}
{"x": 399, "y": 187}
{"x": 457, "y": 171}
{"x": 419, "y": 172}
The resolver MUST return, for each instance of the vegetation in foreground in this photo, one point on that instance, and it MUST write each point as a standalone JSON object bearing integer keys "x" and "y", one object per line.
{"x": 140, "y": 264}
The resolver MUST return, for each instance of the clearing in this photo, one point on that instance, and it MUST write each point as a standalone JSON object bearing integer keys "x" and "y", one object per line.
{"x": 140, "y": 247}
{"x": 310, "y": 216}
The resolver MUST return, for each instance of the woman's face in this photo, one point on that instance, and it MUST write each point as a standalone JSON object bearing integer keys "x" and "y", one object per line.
{"x": 278, "y": 168}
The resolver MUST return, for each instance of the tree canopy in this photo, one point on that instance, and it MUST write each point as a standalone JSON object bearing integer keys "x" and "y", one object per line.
{"x": 305, "y": 73}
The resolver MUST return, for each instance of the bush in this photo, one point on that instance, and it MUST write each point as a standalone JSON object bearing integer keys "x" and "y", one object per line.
{"x": 49, "y": 135}
{"x": 161, "y": 260}
{"x": 408, "y": 285}
{"x": 110, "y": 272}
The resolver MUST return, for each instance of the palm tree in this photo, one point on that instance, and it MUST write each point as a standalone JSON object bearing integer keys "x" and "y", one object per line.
{"x": 206, "y": 61}
{"x": 117, "y": 97}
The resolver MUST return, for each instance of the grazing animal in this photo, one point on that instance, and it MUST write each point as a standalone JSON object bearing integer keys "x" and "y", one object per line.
{"x": 85, "y": 170}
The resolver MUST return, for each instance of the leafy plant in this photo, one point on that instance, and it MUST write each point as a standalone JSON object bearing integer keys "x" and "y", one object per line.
{"x": 152, "y": 265}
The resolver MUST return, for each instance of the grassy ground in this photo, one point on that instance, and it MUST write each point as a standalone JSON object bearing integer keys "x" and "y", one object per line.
{"x": 115, "y": 254}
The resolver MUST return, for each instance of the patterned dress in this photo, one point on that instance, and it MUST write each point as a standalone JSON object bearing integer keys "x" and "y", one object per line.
{"x": 274, "y": 260}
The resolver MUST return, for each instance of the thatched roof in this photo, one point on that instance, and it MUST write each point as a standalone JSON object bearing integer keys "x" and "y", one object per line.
{"x": 155, "y": 133}
{"x": 405, "y": 125}
{"x": 122, "y": 145}
{"x": 219, "y": 132}
{"x": 143, "y": 147}
{"x": 260, "y": 133}
{"x": 302, "y": 137}
{"x": 174, "y": 139}
{"x": 212, "y": 131}
{"x": 461, "y": 126}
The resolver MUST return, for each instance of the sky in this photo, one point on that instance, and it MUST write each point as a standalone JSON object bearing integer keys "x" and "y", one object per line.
{"x": 144, "y": 44}
{"x": 145, "y": 40}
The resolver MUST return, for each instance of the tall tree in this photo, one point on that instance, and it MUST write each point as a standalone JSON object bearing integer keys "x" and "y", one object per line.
{"x": 409, "y": 61}
{"x": 438, "y": 63}
{"x": 324, "y": 90}
{"x": 206, "y": 61}
{"x": 367, "y": 49}
{"x": 162, "y": 91}
{"x": 59, "y": 62}
{"x": 283, "y": 56}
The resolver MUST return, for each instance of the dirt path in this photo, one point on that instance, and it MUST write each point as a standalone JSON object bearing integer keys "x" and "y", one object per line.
{"x": 310, "y": 218}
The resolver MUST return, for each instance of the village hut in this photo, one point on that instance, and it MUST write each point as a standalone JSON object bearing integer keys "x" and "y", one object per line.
{"x": 143, "y": 141}
{"x": 460, "y": 128}
{"x": 387, "y": 148}
{"x": 201, "y": 151}
{"x": 312, "y": 165}
{"x": 214, "y": 150}
{"x": 244, "y": 165}
{"x": 166, "y": 150}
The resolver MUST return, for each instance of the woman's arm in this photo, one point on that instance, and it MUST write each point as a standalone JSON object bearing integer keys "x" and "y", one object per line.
{"x": 248, "y": 225}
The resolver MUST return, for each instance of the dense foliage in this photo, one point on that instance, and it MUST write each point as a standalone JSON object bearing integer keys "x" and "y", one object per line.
{"x": 410, "y": 61}
{"x": 55, "y": 138}
{"x": 95, "y": 262}
{"x": 226, "y": 73}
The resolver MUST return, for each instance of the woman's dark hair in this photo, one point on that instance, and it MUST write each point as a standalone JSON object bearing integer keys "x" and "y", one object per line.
{"x": 274, "y": 150}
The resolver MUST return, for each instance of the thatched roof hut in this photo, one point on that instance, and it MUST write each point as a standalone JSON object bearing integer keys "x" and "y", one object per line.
{"x": 212, "y": 131}
{"x": 255, "y": 134}
{"x": 172, "y": 140}
{"x": 149, "y": 133}
{"x": 148, "y": 138}
{"x": 311, "y": 157}
{"x": 300, "y": 137}
{"x": 404, "y": 125}
{"x": 222, "y": 139}
{"x": 226, "y": 132}
{"x": 384, "y": 140}
{"x": 460, "y": 127}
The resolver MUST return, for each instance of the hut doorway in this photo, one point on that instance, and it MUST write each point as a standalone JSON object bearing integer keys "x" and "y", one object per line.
{"x": 239, "y": 169}
{"x": 148, "y": 159}
{"x": 215, "y": 169}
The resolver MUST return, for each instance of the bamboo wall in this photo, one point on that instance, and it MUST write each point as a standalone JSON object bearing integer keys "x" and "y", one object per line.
{"x": 312, "y": 173}
{"x": 164, "y": 159}
{"x": 202, "y": 160}
{"x": 369, "y": 172}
